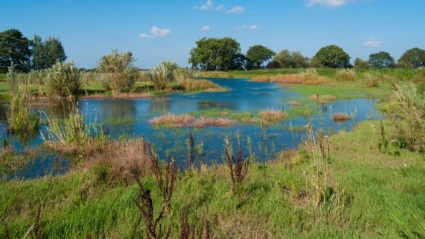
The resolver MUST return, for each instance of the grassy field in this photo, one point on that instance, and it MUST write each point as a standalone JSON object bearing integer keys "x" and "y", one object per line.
{"x": 366, "y": 193}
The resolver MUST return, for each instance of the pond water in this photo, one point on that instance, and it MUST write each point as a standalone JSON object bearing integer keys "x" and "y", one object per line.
{"x": 243, "y": 96}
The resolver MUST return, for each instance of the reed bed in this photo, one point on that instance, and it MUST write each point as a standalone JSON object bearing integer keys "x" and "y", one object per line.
{"x": 323, "y": 98}
{"x": 178, "y": 121}
{"x": 282, "y": 79}
{"x": 198, "y": 85}
{"x": 341, "y": 117}
{"x": 273, "y": 115}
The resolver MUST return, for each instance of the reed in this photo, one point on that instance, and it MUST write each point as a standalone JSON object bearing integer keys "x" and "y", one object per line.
{"x": 341, "y": 117}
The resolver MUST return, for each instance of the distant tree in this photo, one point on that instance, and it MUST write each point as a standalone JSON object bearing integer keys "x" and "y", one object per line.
{"x": 212, "y": 54}
{"x": 289, "y": 59}
{"x": 381, "y": 59}
{"x": 47, "y": 53}
{"x": 414, "y": 58}
{"x": 14, "y": 49}
{"x": 273, "y": 65}
{"x": 331, "y": 56}
{"x": 361, "y": 64}
{"x": 258, "y": 55}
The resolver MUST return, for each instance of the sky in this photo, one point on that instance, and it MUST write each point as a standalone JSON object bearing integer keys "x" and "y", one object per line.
{"x": 155, "y": 30}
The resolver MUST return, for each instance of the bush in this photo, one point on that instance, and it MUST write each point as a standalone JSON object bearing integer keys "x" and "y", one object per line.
{"x": 63, "y": 79}
{"x": 162, "y": 74}
{"x": 121, "y": 74}
{"x": 183, "y": 74}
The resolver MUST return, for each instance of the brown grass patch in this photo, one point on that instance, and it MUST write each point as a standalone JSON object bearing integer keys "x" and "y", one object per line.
{"x": 282, "y": 79}
{"x": 294, "y": 103}
{"x": 341, "y": 117}
{"x": 323, "y": 98}
{"x": 272, "y": 115}
{"x": 123, "y": 159}
{"x": 316, "y": 81}
{"x": 186, "y": 120}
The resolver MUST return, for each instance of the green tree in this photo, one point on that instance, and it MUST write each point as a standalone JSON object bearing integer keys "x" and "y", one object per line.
{"x": 212, "y": 54}
{"x": 414, "y": 58}
{"x": 121, "y": 74}
{"x": 14, "y": 49}
{"x": 361, "y": 64}
{"x": 289, "y": 59}
{"x": 258, "y": 55}
{"x": 381, "y": 59}
{"x": 47, "y": 53}
{"x": 331, "y": 56}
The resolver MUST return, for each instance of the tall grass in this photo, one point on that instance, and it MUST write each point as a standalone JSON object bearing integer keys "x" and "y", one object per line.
{"x": 63, "y": 79}
{"x": 162, "y": 74}
{"x": 346, "y": 75}
{"x": 19, "y": 113}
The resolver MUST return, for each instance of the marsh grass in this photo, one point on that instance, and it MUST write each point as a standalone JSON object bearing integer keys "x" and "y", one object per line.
{"x": 20, "y": 116}
{"x": 178, "y": 121}
{"x": 199, "y": 85}
{"x": 74, "y": 136}
{"x": 272, "y": 116}
{"x": 341, "y": 117}
{"x": 323, "y": 98}
{"x": 346, "y": 75}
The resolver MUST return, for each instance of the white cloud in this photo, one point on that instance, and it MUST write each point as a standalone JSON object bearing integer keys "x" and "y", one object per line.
{"x": 236, "y": 10}
{"x": 209, "y": 5}
{"x": 157, "y": 32}
{"x": 326, "y": 3}
{"x": 331, "y": 3}
{"x": 205, "y": 28}
{"x": 372, "y": 42}
{"x": 245, "y": 26}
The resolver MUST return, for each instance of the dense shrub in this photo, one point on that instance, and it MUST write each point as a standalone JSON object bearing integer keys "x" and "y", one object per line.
{"x": 162, "y": 74}
{"x": 120, "y": 75}
{"x": 63, "y": 79}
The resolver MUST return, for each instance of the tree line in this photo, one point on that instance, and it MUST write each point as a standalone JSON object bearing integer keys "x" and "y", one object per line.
{"x": 224, "y": 54}
{"x": 25, "y": 54}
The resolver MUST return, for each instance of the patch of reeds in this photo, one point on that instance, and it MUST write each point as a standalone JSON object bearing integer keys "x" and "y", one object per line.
{"x": 162, "y": 74}
{"x": 63, "y": 79}
{"x": 74, "y": 136}
{"x": 346, "y": 75}
{"x": 282, "y": 79}
{"x": 19, "y": 113}
{"x": 341, "y": 117}
{"x": 272, "y": 116}
{"x": 323, "y": 98}
{"x": 173, "y": 120}
{"x": 198, "y": 85}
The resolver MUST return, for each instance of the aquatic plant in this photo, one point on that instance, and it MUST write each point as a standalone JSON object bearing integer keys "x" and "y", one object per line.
{"x": 323, "y": 98}
{"x": 63, "y": 79}
{"x": 341, "y": 117}
{"x": 20, "y": 116}
{"x": 272, "y": 116}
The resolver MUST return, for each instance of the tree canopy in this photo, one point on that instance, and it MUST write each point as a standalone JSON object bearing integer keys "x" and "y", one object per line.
{"x": 212, "y": 54}
{"x": 258, "y": 55}
{"x": 414, "y": 57}
{"x": 361, "y": 64}
{"x": 332, "y": 56}
{"x": 14, "y": 49}
{"x": 381, "y": 59}
{"x": 47, "y": 53}
{"x": 288, "y": 59}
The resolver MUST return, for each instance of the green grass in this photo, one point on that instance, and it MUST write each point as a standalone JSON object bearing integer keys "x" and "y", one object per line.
{"x": 383, "y": 196}
{"x": 341, "y": 92}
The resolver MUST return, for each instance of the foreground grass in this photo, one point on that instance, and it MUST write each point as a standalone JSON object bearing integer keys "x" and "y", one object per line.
{"x": 382, "y": 195}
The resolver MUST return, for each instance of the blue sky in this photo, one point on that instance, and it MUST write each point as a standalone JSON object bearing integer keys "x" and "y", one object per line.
{"x": 159, "y": 30}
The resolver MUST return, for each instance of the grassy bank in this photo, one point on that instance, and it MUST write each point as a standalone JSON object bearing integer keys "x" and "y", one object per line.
{"x": 368, "y": 194}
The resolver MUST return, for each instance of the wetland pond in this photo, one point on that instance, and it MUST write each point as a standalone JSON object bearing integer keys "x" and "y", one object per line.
{"x": 130, "y": 118}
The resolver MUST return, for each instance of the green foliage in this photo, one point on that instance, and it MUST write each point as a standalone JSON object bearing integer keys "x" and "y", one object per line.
{"x": 381, "y": 60}
{"x": 258, "y": 55}
{"x": 331, "y": 56}
{"x": 409, "y": 106}
{"x": 14, "y": 49}
{"x": 183, "y": 74}
{"x": 63, "y": 79}
{"x": 19, "y": 113}
{"x": 361, "y": 64}
{"x": 212, "y": 54}
{"x": 47, "y": 53}
{"x": 414, "y": 57}
{"x": 346, "y": 75}
{"x": 162, "y": 74}
{"x": 121, "y": 74}
{"x": 288, "y": 59}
